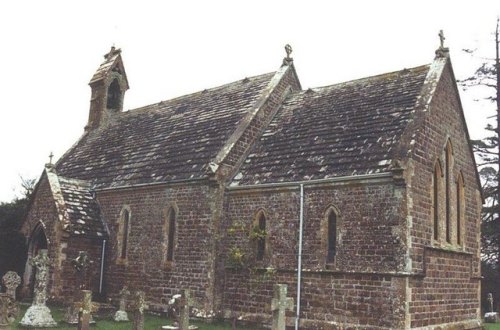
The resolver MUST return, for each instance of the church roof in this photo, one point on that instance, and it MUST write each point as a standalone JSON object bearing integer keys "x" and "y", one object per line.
{"x": 345, "y": 129}
{"x": 82, "y": 208}
{"x": 167, "y": 141}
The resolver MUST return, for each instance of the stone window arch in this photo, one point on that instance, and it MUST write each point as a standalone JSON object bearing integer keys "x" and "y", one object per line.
{"x": 259, "y": 234}
{"x": 437, "y": 196}
{"x": 460, "y": 208}
{"x": 169, "y": 232}
{"x": 330, "y": 233}
{"x": 124, "y": 226}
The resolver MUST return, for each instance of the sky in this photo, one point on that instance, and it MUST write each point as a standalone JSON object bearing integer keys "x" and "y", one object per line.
{"x": 50, "y": 50}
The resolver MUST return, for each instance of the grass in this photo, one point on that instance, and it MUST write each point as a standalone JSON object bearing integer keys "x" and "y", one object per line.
{"x": 150, "y": 322}
{"x": 492, "y": 326}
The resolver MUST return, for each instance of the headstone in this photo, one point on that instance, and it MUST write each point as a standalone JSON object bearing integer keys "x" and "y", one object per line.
{"x": 38, "y": 314}
{"x": 182, "y": 303}
{"x": 279, "y": 305}
{"x": 121, "y": 313}
{"x": 491, "y": 316}
{"x": 85, "y": 312}
{"x": 11, "y": 281}
{"x": 9, "y": 310}
{"x": 139, "y": 307}
{"x": 81, "y": 264}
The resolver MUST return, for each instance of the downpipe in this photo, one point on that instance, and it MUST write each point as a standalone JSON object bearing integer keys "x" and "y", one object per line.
{"x": 299, "y": 257}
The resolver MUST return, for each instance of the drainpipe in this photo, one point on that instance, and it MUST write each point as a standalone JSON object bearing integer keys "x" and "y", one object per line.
{"x": 299, "y": 261}
{"x": 101, "y": 276}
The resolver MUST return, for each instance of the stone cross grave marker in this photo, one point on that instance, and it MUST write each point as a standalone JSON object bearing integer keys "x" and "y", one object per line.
{"x": 81, "y": 264}
{"x": 11, "y": 281}
{"x": 279, "y": 305}
{"x": 490, "y": 302}
{"x": 38, "y": 314}
{"x": 85, "y": 312}
{"x": 121, "y": 313}
{"x": 9, "y": 310}
{"x": 185, "y": 303}
{"x": 491, "y": 316}
{"x": 139, "y": 307}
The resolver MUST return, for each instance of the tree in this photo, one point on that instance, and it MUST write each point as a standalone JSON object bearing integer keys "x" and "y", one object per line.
{"x": 12, "y": 242}
{"x": 488, "y": 153}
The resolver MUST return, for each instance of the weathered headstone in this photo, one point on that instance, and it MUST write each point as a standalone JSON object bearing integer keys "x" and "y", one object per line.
{"x": 491, "y": 316}
{"x": 11, "y": 281}
{"x": 279, "y": 305}
{"x": 121, "y": 313}
{"x": 81, "y": 264}
{"x": 9, "y": 310}
{"x": 183, "y": 304}
{"x": 139, "y": 307}
{"x": 85, "y": 312}
{"x": 38, "y": 314}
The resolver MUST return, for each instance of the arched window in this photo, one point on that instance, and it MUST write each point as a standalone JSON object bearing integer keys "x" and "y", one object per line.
{"x": 171, "y": 219}
{"x": 447, "y": 180}
{"x": 259, "y": 232}
{"x": 460, "y": 207}
{"x": 332, "y": 236}
{"x": 114, "y": 95}
{"x": 437, "y": 186}
{"x": 124, "y": 229}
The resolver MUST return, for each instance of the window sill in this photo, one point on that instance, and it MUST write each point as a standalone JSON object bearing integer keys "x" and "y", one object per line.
{"x": 122, "y": 261}
{"x": 438, "y": 246}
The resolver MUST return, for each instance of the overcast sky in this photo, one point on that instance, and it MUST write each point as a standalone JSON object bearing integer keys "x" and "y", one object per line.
{"x": 50, "y": 50}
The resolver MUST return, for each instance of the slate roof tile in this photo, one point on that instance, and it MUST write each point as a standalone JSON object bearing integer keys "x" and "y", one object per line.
{"x": 166, "y": 141}
{"x": 82, "y": 208}
{"x": 340, "y": 130}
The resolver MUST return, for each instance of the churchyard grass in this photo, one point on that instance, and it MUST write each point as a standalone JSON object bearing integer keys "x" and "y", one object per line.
{"x": 152, "y": 322}
{"x": 492, "y": 326}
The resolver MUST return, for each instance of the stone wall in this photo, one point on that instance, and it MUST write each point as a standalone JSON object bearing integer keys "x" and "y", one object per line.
{"x": 364, "y": 285}
{"x": 145, "y": 267}
{"x": 448, "y": 290}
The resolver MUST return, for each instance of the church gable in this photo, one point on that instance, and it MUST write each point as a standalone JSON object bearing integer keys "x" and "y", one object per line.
{"x": 340, "y": 130}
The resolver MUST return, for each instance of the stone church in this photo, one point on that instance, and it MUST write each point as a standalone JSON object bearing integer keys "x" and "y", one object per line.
{"x": 363, "y": 197}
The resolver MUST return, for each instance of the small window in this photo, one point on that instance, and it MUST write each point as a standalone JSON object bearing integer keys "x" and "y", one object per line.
{"x": 261, "y": 240}
{"x": 171, "y": 218}
{"x": 114, "y": 95}
{"x": 332, "y": 236}
{"x": 437, "y": 183}
{"x": 460, "y": 207}
{"x": 447, "y": 180}
{"x": 125, "y": 223}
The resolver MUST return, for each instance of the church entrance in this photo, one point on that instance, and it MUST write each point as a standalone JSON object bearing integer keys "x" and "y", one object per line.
{"x": 37, "y": 242}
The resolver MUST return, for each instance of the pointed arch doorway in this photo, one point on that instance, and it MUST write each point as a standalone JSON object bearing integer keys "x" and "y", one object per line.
{"x": 37, "y": 241}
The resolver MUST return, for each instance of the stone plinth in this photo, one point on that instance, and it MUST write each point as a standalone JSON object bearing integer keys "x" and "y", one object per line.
{"x": 9, "y": 310}
{"x": 491, "y": 317}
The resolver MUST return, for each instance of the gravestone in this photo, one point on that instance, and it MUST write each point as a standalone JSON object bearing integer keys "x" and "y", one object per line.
{"x": 85, "y": 312}
{"x": 81, "y": 265}
{"x": 182, "y": 303}
{"x": 11, "y": 281}
{"x": 139, "y": 307}
{"x": 121, "y": 313}
{"x": 279, "y": 305}
{"x": 38, "y": 314}
{"x": 491, "y": 316}
{"x": 9, "y": 310}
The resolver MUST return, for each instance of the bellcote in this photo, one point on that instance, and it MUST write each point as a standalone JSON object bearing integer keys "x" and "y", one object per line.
{"x": 108, "y": 84}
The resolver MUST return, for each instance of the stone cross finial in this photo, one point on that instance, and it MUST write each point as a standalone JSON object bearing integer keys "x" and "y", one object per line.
{"x": 9, "y": 310}
{"x": 139, "y": 307}
{"x": 11, "y": 281}
{"x": 441, "y": 38}
{"x": 288, "y": 59}
{"x": 279, "y": 305}
{"x": 38, "y": 314}
{"x": 490, "y": 302}
{"x": 85, "y": 310}
{"x": 121, "y": 314}
{"x": 185, "y": 303}
{"x": 51, "y": 155}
